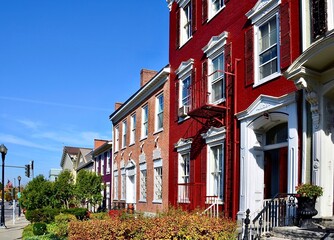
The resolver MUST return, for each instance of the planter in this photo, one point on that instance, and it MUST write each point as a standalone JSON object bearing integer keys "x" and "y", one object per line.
{"x": 305, "y": 211}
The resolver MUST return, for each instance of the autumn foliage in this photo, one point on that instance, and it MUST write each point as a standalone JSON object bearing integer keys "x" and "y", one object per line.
{"x": 170, "y": 225}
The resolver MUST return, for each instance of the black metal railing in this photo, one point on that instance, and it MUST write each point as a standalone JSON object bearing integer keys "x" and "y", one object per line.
{"x": 277, "y": 212}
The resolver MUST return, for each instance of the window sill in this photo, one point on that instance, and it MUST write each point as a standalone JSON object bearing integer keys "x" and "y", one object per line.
{"x": 181, "y": 119}
{"x": 267, "y": 79}
{"x": 185, "y": 42}
{"x": 131, "y": 144}
{"x": 142, "y": 201}
{"x": 212, "y": 15}
{"x": 157, "y": 201}
{"x": 158, "y": 131}
{"x": 142, "y": 139}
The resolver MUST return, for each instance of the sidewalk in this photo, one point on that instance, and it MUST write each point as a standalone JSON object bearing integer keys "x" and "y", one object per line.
{"x": 13, "y": 231}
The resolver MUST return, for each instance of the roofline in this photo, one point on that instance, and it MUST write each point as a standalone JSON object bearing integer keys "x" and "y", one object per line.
{"x": 147, "y": 89}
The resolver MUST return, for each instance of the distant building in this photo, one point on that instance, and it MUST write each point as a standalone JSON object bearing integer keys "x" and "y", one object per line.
{"x": 102, "y": 161}
{"x": 53, "y": 174}
{"x": 140, "y": 146}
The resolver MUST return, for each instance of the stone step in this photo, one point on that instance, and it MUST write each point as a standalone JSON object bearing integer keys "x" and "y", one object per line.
{"x": 297, "y": 233}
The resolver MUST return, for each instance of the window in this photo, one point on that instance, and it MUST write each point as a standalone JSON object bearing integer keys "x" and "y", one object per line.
{"x": 143, "y": 182}
{"x": 184, "y": 74}
{"x": 123, "y": 184}
{"x": 102, "y": 164}
{"x": 215, "y": 167}
{"x": 268, "y": 48}
{"x": 215, "y": 139}
{"x": 215, "y": 6}
{"x": 159, "y": 112}
{"x": 108, "y": 162}
{"x": 214, "y": 51}
{"x": 265, "y": 18}
{"x": 124, "y": 130}
{"x": 116, "y": 138}
{"x": 185, "y": 22}
{"x": 133, "y": 129}
{"x": 144, "y": 130}
{"x": 116, "y": 184}
{"x": 183, "y": 147}
{"x": 157, "y": 180}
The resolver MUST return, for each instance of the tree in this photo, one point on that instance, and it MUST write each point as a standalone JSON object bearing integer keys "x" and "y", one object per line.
{"x": 38, "y": 193}
{"x": 88, "y": 188}
{"x": 64, "y": 188}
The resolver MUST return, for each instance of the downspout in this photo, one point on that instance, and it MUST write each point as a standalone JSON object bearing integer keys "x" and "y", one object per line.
{"x": 235, "y": 143}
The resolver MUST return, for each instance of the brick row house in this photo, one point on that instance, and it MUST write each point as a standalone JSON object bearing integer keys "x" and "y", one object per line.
{"x": 233, "y": 115}
{"x": 140, "y": 150}
{"x": 101, "y": 156}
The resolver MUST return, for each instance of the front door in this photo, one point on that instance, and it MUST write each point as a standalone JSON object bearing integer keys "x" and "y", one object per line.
{"x": 275, "y": 172}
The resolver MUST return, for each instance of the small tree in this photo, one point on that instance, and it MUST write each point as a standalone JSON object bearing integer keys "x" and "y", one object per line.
{"x": 64, "y": 188}
{"x": 88, "y": 187}
{"x": 37, "y": 194}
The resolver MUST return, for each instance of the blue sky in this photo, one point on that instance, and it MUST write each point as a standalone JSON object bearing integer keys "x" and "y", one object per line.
{"x": 63, "y": 65}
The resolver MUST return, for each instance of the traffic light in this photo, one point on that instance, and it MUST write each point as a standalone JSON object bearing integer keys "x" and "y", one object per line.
{"x": 27, "y": 170}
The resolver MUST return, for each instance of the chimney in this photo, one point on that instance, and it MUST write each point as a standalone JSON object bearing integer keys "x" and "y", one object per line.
{"x": 146, "y": 75}
{"x": 118, "y": 105}
{"x": 98, "y": 143}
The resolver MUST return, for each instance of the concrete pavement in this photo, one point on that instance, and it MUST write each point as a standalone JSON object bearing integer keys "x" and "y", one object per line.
{"x": 13, "y": 231}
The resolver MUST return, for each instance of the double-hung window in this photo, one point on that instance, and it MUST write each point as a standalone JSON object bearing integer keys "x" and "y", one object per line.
{"x": 159, "y": 112}
{"x": 157, "y": 180}
{"x": 144, "y": 129}
{"x": 124, "y": 131}
{"x": 266, "y": 51}
{"x": 215, "y": 6}
{"x": 133, "y": 129}
{"x": 185, "y": 94}
{"x": 185, "y": 21}
{"x": 143, "y": 182}
{"x": 108, "y": 162}
{"x": 115, "y": 182}
{"x": 102, "y": 164}
{"x": 215, "y": 63}
{"x": 116, "y": 138}
{"x": 123, "y": 184}
{"x": 268, "y": 48}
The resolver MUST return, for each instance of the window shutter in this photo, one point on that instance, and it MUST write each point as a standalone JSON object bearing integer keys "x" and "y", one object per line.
{"x": 249, "y": 56}
{"x": 177, "y": 34}
{"x": 285, "y": 36}
{"x": 192, "y": 89}
{"x": 193, "y": 16}
{"x": 177, "y": 100}
{"x": 204, "y": 10}
{"x": 319, "y": 18}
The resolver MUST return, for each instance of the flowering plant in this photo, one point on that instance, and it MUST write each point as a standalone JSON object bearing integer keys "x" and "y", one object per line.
{"x": 309, "y": 190}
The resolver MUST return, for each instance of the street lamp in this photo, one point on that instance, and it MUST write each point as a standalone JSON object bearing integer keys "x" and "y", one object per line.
{"x": 19, "y": 195}
{"x": 3, "y": 151}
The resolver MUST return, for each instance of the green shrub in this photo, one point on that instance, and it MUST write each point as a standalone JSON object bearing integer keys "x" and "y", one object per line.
{"x": 39, "y": 228}
{"x": 46, "y": 215}
{"x": 99, "y": 216}
{"x": 79, "y": 213}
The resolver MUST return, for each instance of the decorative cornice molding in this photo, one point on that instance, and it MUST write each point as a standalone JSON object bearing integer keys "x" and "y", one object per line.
{"x": 262, "y": 8}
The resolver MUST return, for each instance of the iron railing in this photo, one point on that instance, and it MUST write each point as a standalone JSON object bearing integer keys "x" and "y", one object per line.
{"x": 277, "y": 212}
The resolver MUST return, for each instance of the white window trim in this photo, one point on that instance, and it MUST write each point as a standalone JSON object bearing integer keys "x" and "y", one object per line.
{"x": 183, "y": 18}
{"x": 157, "y": 163}
{"x": 214, "y": 137}
{"x": 213, "y": 49}
{"x": 116, "y": 184}
{"x": 262, "y": 12}
{"x": 124, "y": 133}
{"x": 157, "y": 112}
{"x": 123, "y": 183}
{"x": 211, "y": 13}
{"x": 116, "y": 138}
{"x": 102, "y": 164}
{"x": 143, "y": 134}
{"x": 330, "y": 14}
{"x": 108, "y": 162}
{"x": 133, "y": 125}
{"x": 183, "y": 147}
{"x": 142, "y": 167}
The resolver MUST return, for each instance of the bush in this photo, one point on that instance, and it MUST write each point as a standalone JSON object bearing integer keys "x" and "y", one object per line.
{"x": 60, "y": 226}
{"x": 79, "y": 213}
{"x": 46, "y": 215}
{"x": 39, "y": 228}
{"x": 170, "y": 225}
{"x": 99, "y": 216}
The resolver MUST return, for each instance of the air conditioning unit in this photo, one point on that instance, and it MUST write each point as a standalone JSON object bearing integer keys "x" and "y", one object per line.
{"x": 183, "y": 111}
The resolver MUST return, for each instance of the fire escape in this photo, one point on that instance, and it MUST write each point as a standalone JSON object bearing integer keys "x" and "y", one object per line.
{"x": 203, "y": 110}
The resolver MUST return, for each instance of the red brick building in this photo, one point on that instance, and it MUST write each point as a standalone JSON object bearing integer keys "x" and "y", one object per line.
{"x": 140, "y": 149}
{"x": 227, "y": 58}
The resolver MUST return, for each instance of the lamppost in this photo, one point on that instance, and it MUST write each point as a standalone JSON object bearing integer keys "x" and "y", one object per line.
{"x": 19, "y": 195}
{"x": 3, "y": 151}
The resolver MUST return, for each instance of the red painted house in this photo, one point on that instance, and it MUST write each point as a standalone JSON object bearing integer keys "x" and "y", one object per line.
{"x": 233, "y": 117}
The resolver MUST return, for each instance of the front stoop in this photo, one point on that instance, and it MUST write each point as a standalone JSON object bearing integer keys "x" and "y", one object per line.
{"x": 297, "y": 233}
